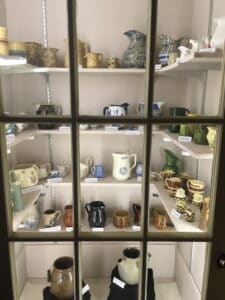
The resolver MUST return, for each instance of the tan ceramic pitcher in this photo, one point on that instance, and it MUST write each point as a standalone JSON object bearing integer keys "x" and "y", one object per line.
{"x": 93, "y": 59}
{"x": 82, "y": 50}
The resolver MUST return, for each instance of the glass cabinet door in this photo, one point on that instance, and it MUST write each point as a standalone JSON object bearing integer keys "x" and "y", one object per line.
{"x": 112, "y": 142}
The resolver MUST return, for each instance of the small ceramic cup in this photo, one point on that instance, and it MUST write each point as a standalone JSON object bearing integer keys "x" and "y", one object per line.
{"x": 189, "y": 214}
{"x": 195, "y": 186}
{"x": 113, "y": 62}
{"x": 33, "y": 51}
{"x": 173, "y": 184}
{"x": 121, "y": 218}
{"x": 48, "y": 57}
{"x": 64, "y": 170}
{"x": 166, "y": 174}
{"x": 98, "y": 171}
{"x": 51, "y": 217}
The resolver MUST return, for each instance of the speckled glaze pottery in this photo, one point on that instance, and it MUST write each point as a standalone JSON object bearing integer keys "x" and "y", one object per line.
{"x": 135, "y": 55}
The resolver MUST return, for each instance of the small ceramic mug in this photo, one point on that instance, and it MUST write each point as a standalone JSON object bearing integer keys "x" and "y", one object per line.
{"x": 64, "y": 170}
{"x": 98, "y": 171}
{"x": 51, "y": 217}
{"x": 166, "y": 174}
{"x": 113, "y": 62}
{"x": 121, "y": 218}
{"x": 195, "y": 186}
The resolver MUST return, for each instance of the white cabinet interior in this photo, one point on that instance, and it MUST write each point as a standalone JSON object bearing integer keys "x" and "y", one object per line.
{"x": 102, "y": 24}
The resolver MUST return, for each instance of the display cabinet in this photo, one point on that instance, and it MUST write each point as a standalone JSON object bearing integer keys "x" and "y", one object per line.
{"x": 88, "y": 187}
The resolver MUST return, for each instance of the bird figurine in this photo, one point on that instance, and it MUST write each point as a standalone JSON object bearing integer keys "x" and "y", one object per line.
{"x": 135, "y": 55}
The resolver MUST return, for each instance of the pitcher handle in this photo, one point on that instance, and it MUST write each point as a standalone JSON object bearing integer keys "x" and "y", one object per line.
{"x": 187, "y": 111}
{"x": 105, "y": 110}
{"x": 10, "y": 176}
{"x": 87, "y": 207}
{"x": 36, "y": 168}
{"x": 188, "y": 183}
{"x": 100, "y": 56}
{"x": 89, "y": 162}
{"x": 135, "y": 160}
{"x": 58, "y": 214}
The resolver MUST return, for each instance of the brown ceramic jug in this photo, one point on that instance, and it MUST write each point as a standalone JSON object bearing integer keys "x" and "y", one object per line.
{"x": 68, "y": 216}
{"x": 61, "y": 278}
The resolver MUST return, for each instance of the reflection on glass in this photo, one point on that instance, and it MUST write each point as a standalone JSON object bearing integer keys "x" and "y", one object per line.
{"x": 40, "y": 278}
{"x": 39, "y": 164}
{"x": 111, "y": 157}
{"x": 184, "y": 55}
{"x": 32, "y": 52}
{"x": 112, "y": 271}
{"x": 181, "y": 172}
{"x": 178, "y": 269}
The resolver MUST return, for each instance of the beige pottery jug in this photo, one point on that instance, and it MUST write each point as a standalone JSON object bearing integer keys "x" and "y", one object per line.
{"x": 82, "y": 50}
{"x": 129, "y": 265}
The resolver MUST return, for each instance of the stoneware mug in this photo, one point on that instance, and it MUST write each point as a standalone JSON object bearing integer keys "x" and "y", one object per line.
{"x": 51, "y": 217}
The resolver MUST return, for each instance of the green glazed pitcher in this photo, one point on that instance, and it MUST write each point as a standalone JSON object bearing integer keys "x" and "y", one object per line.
{"x": 171, "y": 162}
{"x": 200, "y": 134}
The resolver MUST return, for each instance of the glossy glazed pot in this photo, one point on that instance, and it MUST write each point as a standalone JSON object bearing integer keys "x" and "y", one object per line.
{"x": 68, "y": 216}
{"x": 61, "y": 278}
{"x": 96, "y": 214}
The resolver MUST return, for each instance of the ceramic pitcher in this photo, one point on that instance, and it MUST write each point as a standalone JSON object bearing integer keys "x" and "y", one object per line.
{"x": 61, "y": 278}
{"x": 93, "y": 59}
{"x": 122, "y": 166}
{"x": 128, "y": 265}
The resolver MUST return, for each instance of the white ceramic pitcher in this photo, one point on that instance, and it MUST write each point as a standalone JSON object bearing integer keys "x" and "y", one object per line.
{"x": 122, "y": 165}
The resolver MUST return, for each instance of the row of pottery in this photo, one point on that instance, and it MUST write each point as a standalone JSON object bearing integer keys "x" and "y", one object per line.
{"x": 61, "y": 274}
{"x": 133, "y": 57}
{"x": 121, "y": 218}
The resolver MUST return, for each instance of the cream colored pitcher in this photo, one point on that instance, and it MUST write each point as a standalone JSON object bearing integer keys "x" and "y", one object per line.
{"x": 93, "y": 59}
{"x": 82, "y": 50}
{"x": 122, "y": 165}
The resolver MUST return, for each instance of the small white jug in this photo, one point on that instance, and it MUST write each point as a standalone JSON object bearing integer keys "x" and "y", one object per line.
{"x": 122, "y": 165}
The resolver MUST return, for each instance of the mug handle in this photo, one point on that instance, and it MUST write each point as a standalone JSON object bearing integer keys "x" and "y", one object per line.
{"x": 100, "y": 57}
{"x": 87, "y": 207}
{"x": 134, "y": 207}
{"x": 167, "y": 179}
{"x": 187, "y": 111}
{"x": 105, "y": 110}
{"x": 10, "y": 176}
{"x": 58, "y": 214}
{"x": 188, "y": 183}
{"x": 36, "y": 168}
{"x": 93, "y": 170}
{"x": 135, "y": 160}
{"x": 89, "y": 162}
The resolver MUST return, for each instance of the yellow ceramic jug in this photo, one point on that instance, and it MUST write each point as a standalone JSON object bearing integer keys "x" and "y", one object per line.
{"x": 82, "y": 50}
{"x": 93, "y": 59}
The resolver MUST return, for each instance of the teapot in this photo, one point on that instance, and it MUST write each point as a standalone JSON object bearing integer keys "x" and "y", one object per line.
{"x": 27, "y": 174}
{"x": 116, "y": 110}
{"x": 128, "y": 266}
{"x": 122, "y": 165}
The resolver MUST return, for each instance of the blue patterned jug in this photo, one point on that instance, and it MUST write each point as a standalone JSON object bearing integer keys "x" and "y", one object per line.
{"x": 135, "y": 55}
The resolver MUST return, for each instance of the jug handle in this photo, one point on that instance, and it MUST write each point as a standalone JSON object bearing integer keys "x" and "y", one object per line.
{"x": 35, "y": 167}
{"x": 87, "y": 207}
{"x": 100, "y": 56}
{"x": 89, "y": 162}
{"x": 10, "y": 176}
{"x": 167, "y": 179}
{"x": 188, "y": 183}
{"x": 105, "y": 110}
{"x": 135, "y": 160}
{"x": 187, "y": 111}
{"x": 49, "y": 277}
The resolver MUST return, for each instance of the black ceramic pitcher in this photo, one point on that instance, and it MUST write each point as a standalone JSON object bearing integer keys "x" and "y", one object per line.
{"x": 96, "y": 214}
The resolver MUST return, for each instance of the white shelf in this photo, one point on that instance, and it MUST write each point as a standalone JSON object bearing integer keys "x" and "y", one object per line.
{"x": 109, "y": 227}
{"x": 192, "y": 64}
{"x": 28, "y": 199}
{"x": 170, "y": 203}
{"x": 110, "y": 182}
{"x": 192, "y": 149}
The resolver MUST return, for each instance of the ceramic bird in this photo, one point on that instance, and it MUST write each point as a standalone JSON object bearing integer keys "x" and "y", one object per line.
{"x": 135, "y": 55}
